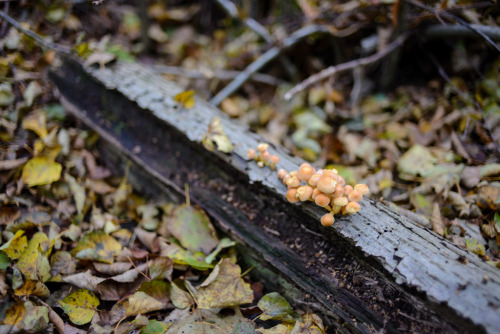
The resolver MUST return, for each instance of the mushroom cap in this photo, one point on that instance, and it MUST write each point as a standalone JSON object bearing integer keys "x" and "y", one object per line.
{"x": 327, "y": 220}
{"x": 262, "y": 147}
{"x": 322, "y": 200}
{"x": 292, "y": 181}
{"x": 326, "y": 184}
{"x": 347, "y": 190}
{"x": 313, "y": 180}
{"x": 352, "y": 207}
{"x": 304, "y": 193}
{"x": 304, "y": 164}
{"x": 305, "y": 172}
{"x": 315, "y": 193}
{"x": 282, "y": 173}
{"x": 266, "y": 155}
{"x": 355, "y": 196}
{"x": 293, "y": 173}
{"x": 251, "y": 153}
{"x": 340, "y": 201}
{"x": 275, "y": 159}
{"x": 291, "y": 195}
{"x": 362, "y": 188}
{"x": 339, "y": 191}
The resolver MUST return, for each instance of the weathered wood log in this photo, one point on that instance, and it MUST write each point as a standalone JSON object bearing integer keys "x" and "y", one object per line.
{"x": 369, "y": 272}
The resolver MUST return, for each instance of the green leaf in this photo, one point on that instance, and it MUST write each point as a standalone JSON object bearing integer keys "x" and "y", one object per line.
{"x": 276, "y": 307}
{"x": 4, "y": 261}
{"x": 80, "y": 306}
{"x": 155, "y": 327}
{"x": 193, "y": 229}
{"x": 475, "y": 247}
{"x": 224, "y": 243}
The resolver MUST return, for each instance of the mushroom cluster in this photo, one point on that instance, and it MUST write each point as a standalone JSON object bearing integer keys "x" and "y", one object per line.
{"x": 263, "y": 157}
{"x": 326, "y": 188}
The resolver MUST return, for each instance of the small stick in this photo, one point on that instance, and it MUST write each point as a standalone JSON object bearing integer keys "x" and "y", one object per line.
{"x": 265, "y": 58}
{"x": 332, "y": 70}
{"x": 39, "y": 39}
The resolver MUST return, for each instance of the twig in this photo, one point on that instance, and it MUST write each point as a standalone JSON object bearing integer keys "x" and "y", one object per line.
{"x": 260, "y": 30}
{"x": 456, "y": 30}
{"x": 265, "y": 58}
{"x": 3, "y": 29}
{"x": 332, "y": 70}
{"x": 219, "y": 74}
{"x": 39, "y": 39}
{"x": 456, "y": 19}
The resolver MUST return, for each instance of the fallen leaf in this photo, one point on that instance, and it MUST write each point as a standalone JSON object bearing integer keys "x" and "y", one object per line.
{"x": 180, "y": 298}
{"x": 97, "y": 246}
{"x": 223, "y": 243}
{"x": 276, "y": 307}
{"x": 158, "y": 289}
{"x": 33, "y": 288}
{"x": 227, "y": 289}
{"x": 31, "y": 93}
{"x": 77, "y": 190}
{"x": 155, "y": 327}
{"x": 33, "y": 263}
{"x": 418, "y": 160}
{"x": 4, "y": 263}
{"x": 193, "y": 229}
{"x": 207, "y": 322}
{"x": 15, "y": 247}
{"x": 62, "y": 262}
{"x": 41, "y": 170}
{"x": 216, "y": 137}
{"x": 186, "y": 99}
{"x": 141, "y": 303}
{"x": 278, "y": 329}
{"x": 14, "y": 314}
{"x": 36, "y": 122}
{"x": 84, "y": 280}
{"x": 80, "y": 306}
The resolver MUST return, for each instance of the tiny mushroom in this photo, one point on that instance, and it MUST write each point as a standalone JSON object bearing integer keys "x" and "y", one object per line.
{"x": 305, "y": 173}
{"x": 326, "y": 184}
{"x": 282, "y": 173}
{"x": 355, "y": 196}
{"x": 322, "y": 200}
{"x": 351, "y": 207}
{"x": 291, "y": 195}
{"x": 304, "y": 192}
{"x": 362, "y": 188}
{"x": 251, "y": 153}
{"x": 327, "y": 220}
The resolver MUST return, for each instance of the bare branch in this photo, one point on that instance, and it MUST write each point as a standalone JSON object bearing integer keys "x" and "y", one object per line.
{"x": 264, "y": 59}
{"x": 456, "y": 30}
{"x": 332, "y": 70}
{"x": 39, "y": 39}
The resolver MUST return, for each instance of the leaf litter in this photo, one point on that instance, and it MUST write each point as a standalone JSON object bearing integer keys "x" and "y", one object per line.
{"x": 430, "y": 155}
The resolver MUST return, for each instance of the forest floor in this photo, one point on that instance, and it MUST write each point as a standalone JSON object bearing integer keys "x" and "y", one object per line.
{"x": 427, "y": 144}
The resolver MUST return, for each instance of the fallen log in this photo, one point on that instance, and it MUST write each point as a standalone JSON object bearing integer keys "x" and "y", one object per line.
{"x": 370, "y": 272}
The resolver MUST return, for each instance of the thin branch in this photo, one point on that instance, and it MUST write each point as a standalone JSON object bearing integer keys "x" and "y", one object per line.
{"x": 264, "y": 59}
{"x": 39, "y": 39}
{"x": 219, "y": 74}
{"x": 332, "y": 70}
{"x": 456, "y": 19}
{"x": 456, "y": 30}
{"x": 231, "y": 9}
{"x": 260, "y": 30}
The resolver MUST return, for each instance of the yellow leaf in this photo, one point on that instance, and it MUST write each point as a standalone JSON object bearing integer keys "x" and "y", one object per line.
{"x": 34, "y": 288}
{"x": 186, "y": 99}
{"x": 33, "y": 263}
{"x": 39, "y": 171}
{"x": 97, "y": 246}
{"x": 80, "y": 306}
{"x": 15, "y": 247}
{"x": 141, "y": 303}
{"x": 14, "y": 314}
{"x": 217, "y": 136}
{"x": 36, "y": 122}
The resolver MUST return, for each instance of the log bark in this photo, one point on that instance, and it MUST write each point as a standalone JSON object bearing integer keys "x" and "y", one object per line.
{"x": 370, "y": 272}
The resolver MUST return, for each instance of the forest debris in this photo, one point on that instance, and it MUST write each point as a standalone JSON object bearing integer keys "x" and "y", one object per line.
{"x": 437, "y": 223}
